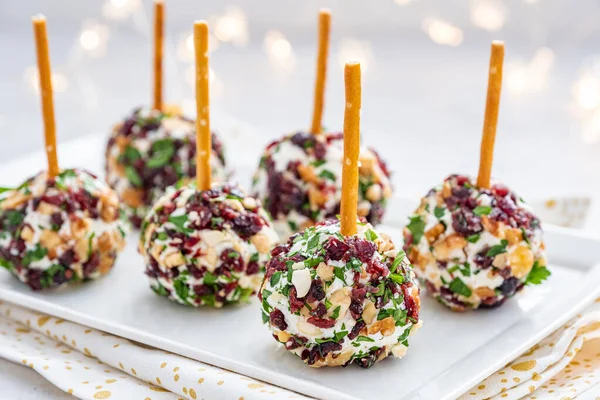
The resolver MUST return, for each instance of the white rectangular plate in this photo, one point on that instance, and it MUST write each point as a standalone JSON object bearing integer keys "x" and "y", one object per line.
{"x": 451, "y": 353}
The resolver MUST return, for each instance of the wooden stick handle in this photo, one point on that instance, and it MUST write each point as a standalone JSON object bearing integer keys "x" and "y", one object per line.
{"x": 491, "y": 115}
{"x": 203, "y": 138}
{"x": 324, "y": 33}
{"x": 159, "y": 28}
{"x": 348, "y": 212}
{"x": 45, "y": 80}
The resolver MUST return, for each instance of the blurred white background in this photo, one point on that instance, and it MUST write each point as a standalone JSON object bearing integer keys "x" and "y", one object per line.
{"x": 424, "y": 77}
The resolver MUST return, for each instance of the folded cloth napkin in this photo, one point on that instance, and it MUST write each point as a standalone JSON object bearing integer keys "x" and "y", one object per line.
{"x": 90, "y": 364}
{"x": 564, "y": 365}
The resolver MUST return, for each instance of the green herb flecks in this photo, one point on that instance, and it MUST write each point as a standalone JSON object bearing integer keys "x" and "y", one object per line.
{"x": 162, "y": 151}
{"x": 132, "y": 175}
{"x": 459, "y": 287}
{"x": 417, "y": 228}
{"x": 497, "y": 249}
{"x": 537, "y": 275}
{"x": 482, "y": 210}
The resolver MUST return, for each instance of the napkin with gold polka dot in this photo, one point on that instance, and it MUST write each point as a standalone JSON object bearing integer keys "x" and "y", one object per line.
{"x": 90, "y": 364}
{"x": 563, "y": 366}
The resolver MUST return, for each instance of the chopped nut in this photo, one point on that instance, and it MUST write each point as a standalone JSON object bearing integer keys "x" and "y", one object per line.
{"x": 373, "y": 193}
{"x": 363, "y": 209}
{"x": 316, "y": 198}
{"x": 106, "y": 262}
{"x": 341, "y": 298}
{"x": 307, "y": 174}
{"x": 446, "y": 190}
{"x": 79, "y": 227}
{"x": 387, "y": 191}
{"x": 50, "y": 239}
{"x": 386, "y": 243}
{"x": 419, "y": 260}
{"x": 14, "y": 200}
{"x": 174, "y": 259}
{"x": 386, "y": 326}
{"x": 212, "y": 238}
{"x": 332, "y": 360}
{"x": 105, "y": 243}
{"x": 81, "y": 249}
{"x": 432, "y": 234}
{"x": 250, "y": 203}
{"x": 399, "y": 350}
{"x": 325, "y": 272}
{"x": 133, "y": 197}
{"x": 450, "y": 248}
{"x": 492, "y": 226}
{"x": 521, "y": 261}
{"x": 283, "y": 336}
{"x": 211, "y": 257}
{"x": 500, "y": 261}
{"x": 369, "y": 312}
{"x": 47, "y": 208}
{"x": 513, "y": 235}
{"x": 308, "y": 329}
{"x": 366, "y": 164}
{"x": 261, "y": 242}
{"x": 484, "y": 292}
{"x": 234, "y": 204}
{"x": 301, "y": 280}
{"x": 27, "y": 234}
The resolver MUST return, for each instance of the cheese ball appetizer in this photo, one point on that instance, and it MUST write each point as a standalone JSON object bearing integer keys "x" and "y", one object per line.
{"x": 335, "y": 300}
{"x": 299, "y": 180}
{"x": 206, "y": 247}
{"x": 55, "y": 231}
{"x": 150, "y": 151}
{"x": 475, "y": 248}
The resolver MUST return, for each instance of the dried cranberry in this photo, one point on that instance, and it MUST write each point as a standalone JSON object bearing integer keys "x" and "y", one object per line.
{"x": 356, "y": 330}
{"x": 500, "y": 190}
{"x": 412, "y": 308}
{"x": 295, "y": 303}
{"x": 465, "y": 222}
{"x": 509, "y": 286}
{"x": 364, "y": 249}
{"x": 278, "y": 320}
{"x": 335, "y": 249}
{"x": 321, "y": 322}
{"x": 319, "y": 311}
{"x": 247, "y": 225}
{"x": 316, "y": 291}
{"x": 507, "y": 205}
{"x": 482, "y": 260}
{"x": 91, "y": 264}
{"x": 252, "y": 268}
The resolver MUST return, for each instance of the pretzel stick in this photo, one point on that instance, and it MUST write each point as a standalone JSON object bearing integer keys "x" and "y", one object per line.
{"x": 159, "y": 27}
{"x": 349, "y": 202}
{"x": 491, "y": 115}
{"x": 203, "y": 139}
{"x": 324, "y": 30}
{"x": 45, "y": 79}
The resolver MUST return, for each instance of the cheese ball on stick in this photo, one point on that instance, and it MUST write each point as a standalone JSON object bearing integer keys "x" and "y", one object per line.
{"x": 154, "y": 147}
{"x": 340, "y": 292}
{"x": 475, "y": 242}
{"x": 206, "y": 244}
{"x": 60, "y": 226}
{"x": 299, "y": 177}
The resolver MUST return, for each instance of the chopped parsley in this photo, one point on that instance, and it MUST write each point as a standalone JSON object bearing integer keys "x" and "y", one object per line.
{"x": 133, "y": 176}
{"x": 537, "y": 275}
{"x": 439, "y": 212}
{"x": 275, "y": 278}
{"x": 474, "y": 238}
{"x": 327, "y": 175}
{"x": 482, "y": 210}
{"x": 458, "y": 286}
{"x": 179, "y": 222}
{"x": 417, "y": 228}
{"x": 371, "y": 235}
{"x": 162, "y": 151}
{"x": 497, "y": 249}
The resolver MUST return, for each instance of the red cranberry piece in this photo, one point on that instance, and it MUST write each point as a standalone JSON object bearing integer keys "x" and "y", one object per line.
{"x": 335, "y": 249}
{"x": 278, "y": 320}
{"x": 246, "y": 225}
{"x": 500, "y": 190}
{"x": 252, "y": 268}
{"x": 482, "y": 260}
{"x": 295, "y": 303}
{"x": 90, "y": 265}
{"x": 461, "y": 180}
{"x": 507, "y": 205}
{"x": 316, "y": 291}
{"x": 319, "y": 311}
{"x": 321, "y": 322}
{"x": 412, "y": 308}
{"x": 356, "y": 330}
{"x": 498, "y": 215}
{"x": 465, "y": 222}
{"x": 364, "y": 249}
